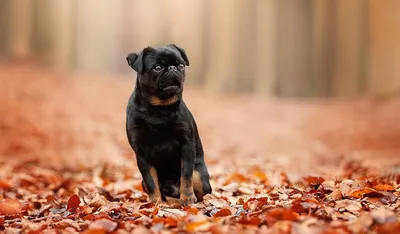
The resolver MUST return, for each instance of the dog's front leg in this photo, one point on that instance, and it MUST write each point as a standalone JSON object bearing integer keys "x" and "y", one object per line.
{"x": 150, "y": 179}
{"x": 187, "y": 195}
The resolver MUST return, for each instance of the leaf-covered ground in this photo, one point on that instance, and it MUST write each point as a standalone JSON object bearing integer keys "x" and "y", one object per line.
{"x": 277, "y": 166}
{"x": 110, "y": 199}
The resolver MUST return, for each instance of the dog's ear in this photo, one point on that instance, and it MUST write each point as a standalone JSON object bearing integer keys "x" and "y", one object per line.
{"x": 136, "y": 60}
{"x": 182, "y": 52}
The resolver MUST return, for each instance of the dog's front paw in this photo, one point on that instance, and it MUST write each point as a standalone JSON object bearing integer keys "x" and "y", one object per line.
{"x": 188, "y": 199}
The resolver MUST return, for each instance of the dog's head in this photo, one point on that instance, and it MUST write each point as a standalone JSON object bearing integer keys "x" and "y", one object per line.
{"x": 161, "y": 72}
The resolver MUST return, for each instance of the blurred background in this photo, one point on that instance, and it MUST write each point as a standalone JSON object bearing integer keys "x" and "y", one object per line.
{"x": 295, "y": 48}
{"x": 271, "y": 82}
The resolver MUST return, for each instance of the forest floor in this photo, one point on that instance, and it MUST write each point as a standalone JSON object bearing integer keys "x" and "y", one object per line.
{"x": 277, "y": 165}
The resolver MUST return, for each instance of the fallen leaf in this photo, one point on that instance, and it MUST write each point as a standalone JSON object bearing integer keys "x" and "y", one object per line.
{"x": 68, "y": 223}
{"x": 219, "y": 203}
{"x": 335, "y": 195}
{"x": 232, "y": 187}
{"x": 105, "y": 224}
{"x": 280, "y": 214}
{"x": 260, "y": 175}
{"x": 347, "y": 187}
{"x": 328, "y": 185}
{"x": 192, "y": 211}
{"x": 383, "y": 215}
{"x": 196, "y": 226}
{"x": 73, "y": 203}
{"x": 105, "y": 193}
{"x": 249, "y": 221}
{"x": 349, "y": 205}
{"x": 94, "y": 231}
{"x": 365, "y": 192}
{"x": 140, "y": 230}
{"x": 383, "y": 187}
{"x": 223, "y": 212}
{"x": 10, "y": 206}
{"x": 314, "y": 181}
{"x": 5, "y": 184}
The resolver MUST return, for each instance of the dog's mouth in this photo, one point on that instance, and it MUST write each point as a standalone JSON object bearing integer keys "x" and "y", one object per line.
{"x": 171, "y": 88}
{"x": 171, "y": 85}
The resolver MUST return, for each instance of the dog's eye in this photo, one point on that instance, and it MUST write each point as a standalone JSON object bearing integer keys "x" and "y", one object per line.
{"x": 181, "y": 66}
{"x": 158, "y": 68}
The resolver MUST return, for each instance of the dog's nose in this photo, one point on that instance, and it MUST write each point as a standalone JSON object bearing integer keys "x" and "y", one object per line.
{"x": 172, "y": 68}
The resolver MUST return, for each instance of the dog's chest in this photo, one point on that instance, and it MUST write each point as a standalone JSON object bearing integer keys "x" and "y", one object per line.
{"x": 162, "y": 143}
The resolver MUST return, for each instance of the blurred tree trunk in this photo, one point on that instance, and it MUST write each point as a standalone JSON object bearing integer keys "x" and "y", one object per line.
{"x": 142, "y": 25}
{"x": 184, "y": 22}
{"x": 384, "y": 59}
{"x": 349, "y": 46}
{"x": 98, "y": 35}
{"x": 294, "y": 48}
{"x": 63, "y": 16}
{"x": 222, "y": 51}
{"x": 4, "y": 26}
{"x": 266, "y": 41}
{"x": 245, "y": 62}
{"x": 324, "y": 13}
{"x": 21, "y": 28}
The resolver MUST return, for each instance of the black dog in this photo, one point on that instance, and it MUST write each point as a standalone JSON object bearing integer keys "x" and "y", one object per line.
{"x": 161, "y": 129}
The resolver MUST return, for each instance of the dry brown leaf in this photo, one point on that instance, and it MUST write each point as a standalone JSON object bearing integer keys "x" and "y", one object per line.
{"x": 223, "y": 212}
{"x": 192, "y": 211}
{"x": 97, "y": 203}
{"x": 5, "y": 184}
{"x": 232, "y": 187}
{"x": 73, "y": 203}
{"x": 249, "y": 221}
{"x": 219, "y": 203}
{"x": 105, "y": 193}
{"x": 260, "y": 175}
{"x": 280, "y": 214}
{"x": 68, "y": 223}
{"x": 105, "y": 224}
{"x": 140, "y": 230}
{"x": 95, "y": 231}
{"x": 328, "y": 185}
{"x": 347, "y": 187}
{"x": 335, "y": 195}
{"x": 313, "y": 180}
{"x": 383, "y": 215}
{"x": 365, "y": 192}
{"x": 10, "y": 206}
{"x": 383, "y": 187}
{"x": 349, "y": 205}
{"x": 197, "y": 225}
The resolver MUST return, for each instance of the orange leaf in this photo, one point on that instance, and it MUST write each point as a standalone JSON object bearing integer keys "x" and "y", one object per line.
{"x": 138, "y": 187}
{"x": 365, "y": 192}
{"x": 95, "y": 231}
{"x": 260, "y": 175}
{"x": 10, "y": 206}
{"x": 281, "y": 214}
{"x": 312, "y": 180}
{"x": 89, "y": 217}
{"x": 249, "y": 221}
{"x": 192, "y": 210}
{"x": 105, "y": 224}
{"x": 384, "y": 187}
{"x": 73, "y": 203}
{"x": 236, "y": 177}
{"x": 4, "y": 183}
{"x": 191, "y": 227}
{"x": 223, "y": 212}
{"x": 170, "y": 222}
